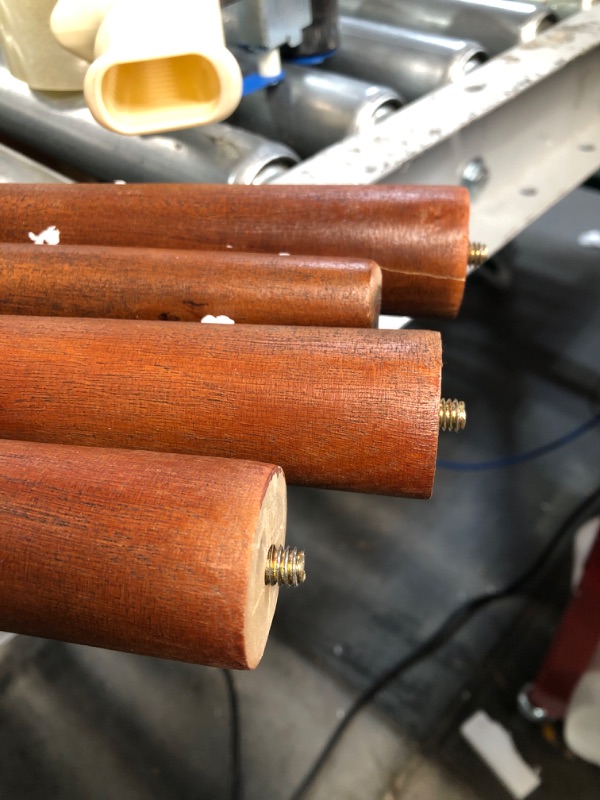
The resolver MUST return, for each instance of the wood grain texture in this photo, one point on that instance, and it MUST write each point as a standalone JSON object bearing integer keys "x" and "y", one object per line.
{"x": 338, "y": 408}
{"x": 394, "y": 293}
{"x": 151, "y": 283}
{"x": 419, "y": 232}
{"x": 150, "y": 553}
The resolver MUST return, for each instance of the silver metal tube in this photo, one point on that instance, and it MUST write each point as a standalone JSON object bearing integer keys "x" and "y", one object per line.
{"x": 564, "y": 8}
{"x": 495, "y": 24}
{"x": 60, "y": 124}
{"x": 17, "y": 168}
{"x": 411, "y": 62}
{"x": 312, "y": 109}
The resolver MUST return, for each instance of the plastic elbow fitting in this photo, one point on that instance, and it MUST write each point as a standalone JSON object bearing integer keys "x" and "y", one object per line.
{"x": 156, "y": 65}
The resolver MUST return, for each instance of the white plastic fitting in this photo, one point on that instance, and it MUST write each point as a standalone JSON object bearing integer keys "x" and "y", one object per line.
{"x": 156, "y": 65}
{"x": 32, "y": 53}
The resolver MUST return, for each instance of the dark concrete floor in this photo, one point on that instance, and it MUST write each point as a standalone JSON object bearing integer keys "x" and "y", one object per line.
{"x": 383, "y": 573}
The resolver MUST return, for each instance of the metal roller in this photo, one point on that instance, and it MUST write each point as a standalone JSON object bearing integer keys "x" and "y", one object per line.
{"x": 17, "y": 168}
{"x": 59, "y": 124}
{"x": 496, "y": 24}
{"x": 565, "y": 8}
{"x": 411, "y": 62}
{"x": 311, "y": 109}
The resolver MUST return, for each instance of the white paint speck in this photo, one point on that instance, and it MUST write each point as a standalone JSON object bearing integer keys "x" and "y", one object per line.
{"x": 219, "y": 320}
{"x": 340, "y": 713}
{"x": 229, "y": 247}
{"x": 284, "y": 254}
{"x": 120, "y": 182}
{"x": 50, "y": 235}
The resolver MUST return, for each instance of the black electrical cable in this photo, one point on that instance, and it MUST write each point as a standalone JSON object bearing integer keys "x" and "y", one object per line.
{"x": 453, "y": 623}
{"x": 235, "y": 733}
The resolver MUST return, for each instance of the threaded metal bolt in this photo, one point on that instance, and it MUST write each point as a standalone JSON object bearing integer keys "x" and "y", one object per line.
{"x": 285, "y": 566}
{"x": 478, "y": 254}
{"x": 453, "y": 415}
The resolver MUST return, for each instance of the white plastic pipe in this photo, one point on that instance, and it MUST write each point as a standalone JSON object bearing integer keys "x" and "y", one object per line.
{"x": 156, "y": 65}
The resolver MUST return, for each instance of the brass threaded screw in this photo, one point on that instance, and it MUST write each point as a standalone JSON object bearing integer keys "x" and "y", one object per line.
{"x": 285, "y": 566}
{"x": 478, "y": 254}
{"x": 453, "y": 415}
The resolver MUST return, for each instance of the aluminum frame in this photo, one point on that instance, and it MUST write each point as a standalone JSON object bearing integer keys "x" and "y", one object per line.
{"x": 17, "y": 168}
{"x": 521, "y": 132}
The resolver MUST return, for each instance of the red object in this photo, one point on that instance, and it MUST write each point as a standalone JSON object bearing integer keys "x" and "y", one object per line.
{"x": 574, "y": 643}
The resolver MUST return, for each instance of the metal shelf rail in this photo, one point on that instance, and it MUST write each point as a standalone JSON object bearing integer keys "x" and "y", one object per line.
{"x": 17, "y": 168}
{"x": 520, "y": 132}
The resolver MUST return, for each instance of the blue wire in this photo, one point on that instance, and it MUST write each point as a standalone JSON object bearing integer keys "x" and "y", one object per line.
{"x": 310, "y": 61}
{"x": 521, "y": 458}
{"x": 255, "y": 82}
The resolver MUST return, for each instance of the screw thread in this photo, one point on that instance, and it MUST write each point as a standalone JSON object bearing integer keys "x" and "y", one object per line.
{"x": 478, "y": 254}
{"x": 285, "y": 566}
{"x": 453, "y": 415}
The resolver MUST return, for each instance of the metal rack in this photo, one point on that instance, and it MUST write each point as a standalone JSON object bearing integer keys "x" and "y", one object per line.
{"x": 520, "y": 132}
